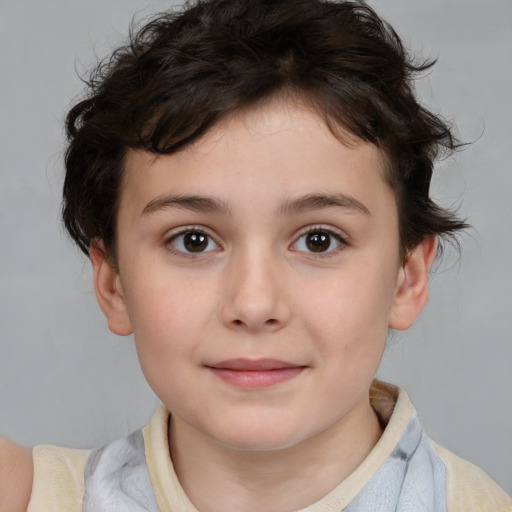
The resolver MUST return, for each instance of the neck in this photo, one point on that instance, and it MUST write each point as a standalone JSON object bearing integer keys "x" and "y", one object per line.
{"x": 217, "y": 477}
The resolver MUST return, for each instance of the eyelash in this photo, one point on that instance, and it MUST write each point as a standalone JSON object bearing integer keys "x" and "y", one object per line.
{"x": 326, "y": 231}
{"x": 189, "y": 230}
{"x": 310, "y": 231}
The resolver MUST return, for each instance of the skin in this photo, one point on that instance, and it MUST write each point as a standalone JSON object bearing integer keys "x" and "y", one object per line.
{"x": 256, "y": 290}
{"x": 16, "y": 474}
{"x": 259, "y": 187}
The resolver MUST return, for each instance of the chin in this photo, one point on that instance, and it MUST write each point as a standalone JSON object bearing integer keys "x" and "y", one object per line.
{"x": 266, "y": 438}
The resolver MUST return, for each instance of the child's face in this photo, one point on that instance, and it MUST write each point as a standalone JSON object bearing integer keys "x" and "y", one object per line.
{"x": 259, "y": 271}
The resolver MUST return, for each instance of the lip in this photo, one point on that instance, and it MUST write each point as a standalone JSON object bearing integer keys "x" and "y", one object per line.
{"x": 255, "y": 374}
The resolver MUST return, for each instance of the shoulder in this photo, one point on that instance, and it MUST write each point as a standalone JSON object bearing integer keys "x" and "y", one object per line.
{"x": 469, "y": 488}
{"x": 16, "y": 475}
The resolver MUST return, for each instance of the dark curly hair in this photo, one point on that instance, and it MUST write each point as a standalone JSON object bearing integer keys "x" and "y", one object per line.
{"x": 184, "y": 71}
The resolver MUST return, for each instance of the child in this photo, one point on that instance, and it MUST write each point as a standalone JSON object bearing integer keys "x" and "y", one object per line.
{"x": 251, "y": 182}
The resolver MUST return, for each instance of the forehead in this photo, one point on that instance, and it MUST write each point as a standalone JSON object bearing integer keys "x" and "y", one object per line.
{"x": 274, "y": 151}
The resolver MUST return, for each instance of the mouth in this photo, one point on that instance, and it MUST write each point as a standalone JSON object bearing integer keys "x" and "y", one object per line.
{"x": 255, "y": 374}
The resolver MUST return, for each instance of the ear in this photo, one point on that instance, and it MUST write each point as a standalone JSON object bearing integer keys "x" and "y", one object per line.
{"x": 412, "y": 285}
{"x": 109, "y": 291}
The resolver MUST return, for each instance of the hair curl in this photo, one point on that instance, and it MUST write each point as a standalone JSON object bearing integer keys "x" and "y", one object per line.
{"x": 184, "y": 71}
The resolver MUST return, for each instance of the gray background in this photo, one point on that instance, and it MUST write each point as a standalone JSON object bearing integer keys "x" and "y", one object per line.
{"x": 65, "y": 379}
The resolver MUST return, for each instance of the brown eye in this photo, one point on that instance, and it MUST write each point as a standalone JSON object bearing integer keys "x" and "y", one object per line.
{"x": 193, "y": 242}
{"x": 318, "y": 242}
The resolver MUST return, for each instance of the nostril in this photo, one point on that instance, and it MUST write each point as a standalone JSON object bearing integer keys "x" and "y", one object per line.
{"x": 269, "y": 322}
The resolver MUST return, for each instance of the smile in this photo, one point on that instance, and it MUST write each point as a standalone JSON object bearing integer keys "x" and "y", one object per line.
{"x": 257, "y": 374}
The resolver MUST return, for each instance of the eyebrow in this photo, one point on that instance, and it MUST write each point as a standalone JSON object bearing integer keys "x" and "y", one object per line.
{"x": 206, "y": 204}
{"x": 203, "y": 204}
{"x": 310, "y": 202}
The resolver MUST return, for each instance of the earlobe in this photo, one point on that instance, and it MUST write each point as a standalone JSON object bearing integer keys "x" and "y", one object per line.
{"x": 412, "y": 285}
{"x": 109, "y": 291}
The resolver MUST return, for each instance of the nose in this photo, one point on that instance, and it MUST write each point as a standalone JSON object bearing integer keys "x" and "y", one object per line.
{"x": 254, "y": 293}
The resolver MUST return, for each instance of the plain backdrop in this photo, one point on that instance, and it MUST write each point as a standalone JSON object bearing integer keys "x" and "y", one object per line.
{"x": 65, "y": 379}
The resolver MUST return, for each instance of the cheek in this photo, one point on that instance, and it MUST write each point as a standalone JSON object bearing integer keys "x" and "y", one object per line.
{"x": 168, "y": 317}
{"x": 353, "y": 310}
{"x": 167, "y": 299}
{"x": 166, "y": 337}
